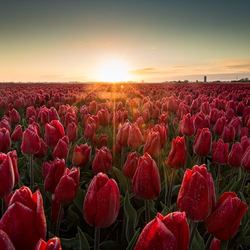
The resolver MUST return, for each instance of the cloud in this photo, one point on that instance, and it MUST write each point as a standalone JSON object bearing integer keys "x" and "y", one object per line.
{"x": 144, "y": 71}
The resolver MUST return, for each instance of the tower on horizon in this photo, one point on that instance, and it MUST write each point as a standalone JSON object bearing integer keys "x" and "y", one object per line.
{"x": 205, "y": 78}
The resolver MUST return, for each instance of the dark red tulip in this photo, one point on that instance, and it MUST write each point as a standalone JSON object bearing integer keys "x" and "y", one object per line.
{"x": 61, "y": 148}
{"x": 102, "y": 201}
{"x": 146, "y": 180}
{"x": 153, "y": 144}
{"x": 215, "y": 244}
{"x": 52, "y": 173}
{"x": 14, "y": 116}
{"x": 244, "y": 132}
{"x": 187, "y": 125}
{"x": 71, "y": 131}
{"x": 245, "y": 142}
{"x": 197, "y": 195}
{"x": 219, "y": 125}
{"x": 52, "y": 244}
{"x": 31, "y": 141}
{"x": 245, "y": 162}
{"x": 225, "y": 219}
{"x": 155, "y": 235}
{"x": 67, "y": 186}
{"x": 4, "y": 140}
{"x": 201, "y": 121}
{"x": 163, "y": 132}
{"x": 235, "y": 155}
{"x": 103, "y": 116}
{"x": 17, "y": 133}
{"x": 203, "y": 142}
{"x": 43, "y": 149}
{"x": 54, "y": 131}
{"x": 102, "y": 161}
{"x": 122, "y": 135}
{"x": 130, "y": 165}
{"x": 220, "y": 151}
{"x": 177, "y": 155}
{"x": 228, "y": 134}
{"x": 81, "y": 155}
{"x": 135, "y": 137}
{"x": 30, "y": 111}
{"x": 52, "y": 114}
{"x": 7, "y": 175}
{"x": 14, "y": 158}
{"x": 24, "y": 220}
{"x": 5, "y": 242}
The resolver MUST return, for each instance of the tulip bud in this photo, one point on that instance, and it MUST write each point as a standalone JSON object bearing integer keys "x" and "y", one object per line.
{"x": 146, "y": 180}
{"x": 67, "y": 187}
{"x": 103, "y": 116}
{"x": 245, "y": 142}
{"x": 130, "y": 165}
{"x": 102, "y": 161}
{"x": 61, "y": 148}
{"x": 220, "y": 152}
{"x": 13, "y": 157}
{"x": 5, "y": 242}
{"x": 177, "y": 155}
{"x": 187, "y": 125}
{"x": 219, "y": 125}
{"x": 203, "y": 142}
{"x": 135, "y": 138}
{"x": 52, "y": 244}
{"x": 245, "y": 162}
{"x": 4, "y": 140}
{"x": 31, "y": 141}
{"x": 53, "y": 132}
{"x": 163, "y": 132}
{"x": 228, "y": 134}
{"x": 225, "y": 219}
{"x": 215, "y": 244}
{"x": 102, "y": 201}
{"x": 43, "y": 149}
{"x": 81, "y": 155}
{"x": 153, "y": 144}
{"x": 122, "y": 134}
{"x": 197, "y": 195}
{"x": 71, "y": 131}
{"x": 14, "y": 116}
{"x": 235, "y": 155}
{"x": 24, "y": 221}
{"x": 17, "y": 133}
{"x": 30, "y": 111}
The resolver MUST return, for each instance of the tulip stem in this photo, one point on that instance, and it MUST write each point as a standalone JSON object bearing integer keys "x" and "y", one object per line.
{"x": 224, "y": 245}
{"x": 31, "y": 173}
{"x": 165, "y": 184}
{"x": 243, "y": 181}
{"x": 97, "y": 238}
{"x": 194, "y": 227}
{"x": 58, "y": 222}
{"x": 147, "y": 211}
{"x": 170, "y": 188}
{"x": 209, "y": 240}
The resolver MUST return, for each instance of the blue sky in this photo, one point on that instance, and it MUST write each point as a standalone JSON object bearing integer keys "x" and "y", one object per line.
{"x": 54, "y": 40}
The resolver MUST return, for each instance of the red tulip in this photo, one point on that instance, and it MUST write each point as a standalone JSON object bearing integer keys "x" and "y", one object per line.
{"x": 203, "y": 142}
{"x": 53, "y": 132}
{"x": 4, "y": 139}
{"x": 187, "y": 125}
{"x": 215, "y": 244}
{"x": 102, "y": 201}
{"x": 5, "y": 242}
{"x": 52, "y": 173}
{"x": 235, "y": 155}
{"x": 225, "y": 219}
{"x": 81, "y": 155}
{"x": 228, "y": 134}
{"x": 220, "y": 152}
{"x": 71, "y": 131}
{"x": 219, "y": 125}
{"x": 14, "y": 158}
{"x": 153, "y": 144}
{"x": 135, "y": 138}
{"x": 67, "y": 187}
{"x": 102, "y": 161}
{"x": 31, "y": 141}
{"x": 245, "y": 162}
{"x": 163, "y": 132}
{"x": 197, "y": 195}
{"x": 30, "y": 111}
{"x": 14, "y": 116}
{"x": 177, "y": 155}
{"x": 7, "y": 175}
{"x": 61, "y": 148}
{"x": 43, "y": 149}
{"x": 146, "y": 180}
{"x": 24, "y": 221}
{"x": 130, "y": 165}
{"x": 17, "y": 133}
{"x": 122, "y": 135}
{"x": 103, "y": 116}
{"x": 52, "y": 244}
{"x": 245, "y": 142}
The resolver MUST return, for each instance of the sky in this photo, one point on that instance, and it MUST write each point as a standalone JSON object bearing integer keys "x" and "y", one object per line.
{"x": 159, "y": 40}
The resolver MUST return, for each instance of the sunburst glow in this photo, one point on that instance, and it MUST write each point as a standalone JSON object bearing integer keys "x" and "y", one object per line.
{"x": 113, "y": 70}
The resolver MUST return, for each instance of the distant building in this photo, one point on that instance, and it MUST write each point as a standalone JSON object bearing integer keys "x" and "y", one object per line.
{"x": 205, "y": 78}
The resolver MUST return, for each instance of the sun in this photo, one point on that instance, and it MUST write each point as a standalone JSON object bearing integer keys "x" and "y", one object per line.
{"x": 113, "y": 70}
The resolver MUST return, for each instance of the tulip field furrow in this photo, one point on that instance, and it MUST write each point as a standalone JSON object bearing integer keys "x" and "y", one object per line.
{"x": 125, "y": 166}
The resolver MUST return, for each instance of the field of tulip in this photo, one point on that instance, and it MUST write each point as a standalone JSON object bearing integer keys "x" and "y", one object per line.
{"x": 133, "y": 166}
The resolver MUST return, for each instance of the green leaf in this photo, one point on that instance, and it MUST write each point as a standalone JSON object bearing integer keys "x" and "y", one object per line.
{"x": 83, "y": 242}
{"x": 122, "y": 180}
{"x": 130, "y": 218}
{"x": 133, "y": 240}
{"x": 197, "y": 242}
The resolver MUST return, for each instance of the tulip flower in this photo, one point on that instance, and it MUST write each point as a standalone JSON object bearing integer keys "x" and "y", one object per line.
{"x": 197, "y": 194}
{"x": 103, "y": 116}
{"x": 14, "y": 158}
{"x": 130, "y": 165}
{"x": 187, "y": 125}
{"x": 219, "y": 125}
{"x": 245, "y": 142}
{"x": 43, "y": 149}
{"x": 24, "y": 220}
{"x": 245, "y": 162}
{"x": 71, "y": 131}
{"x": 135, "y": 138}
{"x": 153, "y": 144}
{"x": 61, "y": 148}
{"x": 14, "y": 116}
{"x": 5, "y": 242}
{"x": 228, "y": 134}
{"x": 215, "y": 244}
{"x": 102, "y": 161}
{"x": 203, "y": 142}
{"x": 235, "y": 155}
{"x": 220, "y": 151}
{"x": 177, "y": 155}
{"x": 81, "y": 155}
{"x": 54, "y": 131}
{"x": 169, "y": 232}
{"x": 52, "y": 244}
{"x": 5, "y": 140}
{"x": 146, "y": 180}
{"x": 122, "y": 135}
{"x": 17, "y": 133}
{"x": 225, "y": 219}
{"x": 162, "y": 129}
